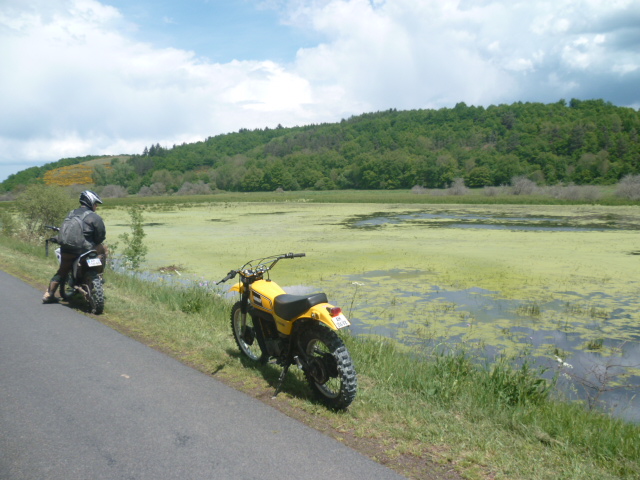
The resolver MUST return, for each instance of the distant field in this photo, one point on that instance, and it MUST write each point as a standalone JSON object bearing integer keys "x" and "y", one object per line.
{"x": 473, "y": 197}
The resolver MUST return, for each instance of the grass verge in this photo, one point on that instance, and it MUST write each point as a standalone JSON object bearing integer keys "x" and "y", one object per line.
{"x": 438, "y": 415}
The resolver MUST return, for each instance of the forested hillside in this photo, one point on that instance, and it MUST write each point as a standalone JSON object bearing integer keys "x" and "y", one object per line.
{"x": 583, "y": 142}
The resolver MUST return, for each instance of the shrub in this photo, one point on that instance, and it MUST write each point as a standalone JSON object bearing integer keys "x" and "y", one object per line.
{"x": 493, "y": 191}
{"x": 41, "y": 205}
{"x": 114, "y": 191}
{"x": 458, "y": 187}
{"x": 199, "y": 188}
{"x": 8, "y": 225}
{"x": 629, "y": 187}
{"x": 575, "y": 192}
{"x": 145, "y": 192}
{"x": 523, "y": 186}
{"x": 156, "y": 189}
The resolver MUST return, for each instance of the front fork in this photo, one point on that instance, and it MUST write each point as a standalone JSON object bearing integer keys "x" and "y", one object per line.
{"x": 258, "y": 334}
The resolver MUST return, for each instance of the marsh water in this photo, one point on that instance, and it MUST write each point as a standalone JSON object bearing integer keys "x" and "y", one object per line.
{"x": 503, "y": 222}
{"x": 591, "y": 342}
{"x": 557, "y": 285}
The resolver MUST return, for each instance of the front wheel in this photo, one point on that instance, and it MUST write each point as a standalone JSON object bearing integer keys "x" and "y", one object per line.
{"x": 330, "y": 371}
{"x": 244, "y": 334}
{"x": 65, "y": 290}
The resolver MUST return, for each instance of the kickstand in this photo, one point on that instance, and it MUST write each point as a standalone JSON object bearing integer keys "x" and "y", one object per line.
{"x": 281, "y": 380}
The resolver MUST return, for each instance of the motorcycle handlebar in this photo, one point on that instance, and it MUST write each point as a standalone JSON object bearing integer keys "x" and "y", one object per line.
{"x": 229, "y": 276}
{"x": 275, "y": 258}
{"x": 52, "y": 228}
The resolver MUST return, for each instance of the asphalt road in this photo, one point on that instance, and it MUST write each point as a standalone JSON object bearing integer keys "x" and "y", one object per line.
{"x": 79, "y": 400}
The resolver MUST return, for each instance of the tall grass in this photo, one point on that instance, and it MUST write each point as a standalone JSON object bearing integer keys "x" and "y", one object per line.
{"x": 510, "y": 396}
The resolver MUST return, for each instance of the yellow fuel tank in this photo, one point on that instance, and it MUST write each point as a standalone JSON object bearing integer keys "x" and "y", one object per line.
{"x": 263, "y": 293}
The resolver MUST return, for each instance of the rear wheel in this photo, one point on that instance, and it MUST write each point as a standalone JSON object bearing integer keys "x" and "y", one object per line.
{"x": 244, "y": 333}
{"x": 330, "y": 371}
{"x": 96, "y": 299}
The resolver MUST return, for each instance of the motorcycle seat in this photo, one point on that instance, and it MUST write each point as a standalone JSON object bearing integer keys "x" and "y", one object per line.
{"x": 290, "y": 306}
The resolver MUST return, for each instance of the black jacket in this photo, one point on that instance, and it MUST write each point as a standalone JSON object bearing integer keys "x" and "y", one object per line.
{"x": 93, "y": 228}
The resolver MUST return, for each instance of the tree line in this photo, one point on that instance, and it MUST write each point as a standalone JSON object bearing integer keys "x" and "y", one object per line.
{"x": 582, "y": 142}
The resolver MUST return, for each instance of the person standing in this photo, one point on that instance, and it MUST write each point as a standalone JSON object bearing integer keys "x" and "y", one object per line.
{"x": 94, "y": 232}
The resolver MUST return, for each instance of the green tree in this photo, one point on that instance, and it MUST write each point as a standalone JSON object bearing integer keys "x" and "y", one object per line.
{"x": 122, "y": 174}
{"x": 100, "y": 175}
{"x": 252, "y": 181}
{"x": 41, "y": 205}
{"x": 480, "y": 177}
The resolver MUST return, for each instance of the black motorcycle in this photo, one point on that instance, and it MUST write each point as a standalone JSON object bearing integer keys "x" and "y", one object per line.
{"x": 85, "y": 277}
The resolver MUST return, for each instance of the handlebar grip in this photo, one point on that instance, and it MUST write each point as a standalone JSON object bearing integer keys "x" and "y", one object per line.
{"x": 295, "y": 255}
{"x": 229, "y": 276}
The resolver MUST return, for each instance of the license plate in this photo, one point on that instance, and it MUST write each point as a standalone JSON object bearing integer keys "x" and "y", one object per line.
{"x": 341, "y": 321}
{"x": 94, "y": 262}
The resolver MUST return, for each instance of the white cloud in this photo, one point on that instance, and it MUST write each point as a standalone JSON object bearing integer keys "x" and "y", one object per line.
{"x": 75, "y": 82}
{"x": 77, "y": 85}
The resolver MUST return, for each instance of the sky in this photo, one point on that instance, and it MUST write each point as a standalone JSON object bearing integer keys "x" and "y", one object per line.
{"x": 102, "y": 77}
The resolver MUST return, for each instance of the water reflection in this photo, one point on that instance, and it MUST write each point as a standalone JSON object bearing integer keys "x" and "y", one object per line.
{"x": 451, "y": 219}
{"x": 596, "y": 334}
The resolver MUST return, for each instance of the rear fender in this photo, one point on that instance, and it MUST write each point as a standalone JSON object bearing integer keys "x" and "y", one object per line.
{"x": 318, "y": 313}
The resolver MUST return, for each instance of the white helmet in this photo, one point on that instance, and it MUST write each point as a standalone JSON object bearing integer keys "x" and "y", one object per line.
{"x": 89, "y": 198}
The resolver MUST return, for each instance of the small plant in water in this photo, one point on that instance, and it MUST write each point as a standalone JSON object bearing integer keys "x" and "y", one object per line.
{"x": 135, "y": 250}
{"x": 355, "y": 293}
{"x": 529, "y": 310}
{"x": 594, "y": 344}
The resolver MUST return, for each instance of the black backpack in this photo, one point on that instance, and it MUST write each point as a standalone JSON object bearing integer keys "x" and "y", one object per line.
{"x": 71, "y": 232}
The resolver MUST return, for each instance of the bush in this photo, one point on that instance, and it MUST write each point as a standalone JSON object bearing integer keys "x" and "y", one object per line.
{"x": 574, "y": 192}
{"x": 523, "y": 186}
{"x": 114, "y": 191}
{"x": 8, "y": 225}
{"x": 629, "y": 187}
{"x": 41, "y": 205}
{"x": 156, "y": 189}
{"x": 458, "y": 187}
{"x": 199, "y": 188}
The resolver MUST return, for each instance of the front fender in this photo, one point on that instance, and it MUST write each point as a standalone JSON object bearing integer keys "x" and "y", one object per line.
{"x": 238, "y": 287}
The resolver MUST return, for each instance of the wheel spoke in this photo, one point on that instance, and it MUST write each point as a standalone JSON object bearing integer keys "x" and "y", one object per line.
{"x": 244, "y": 339}
{"x": 330, "y": 374}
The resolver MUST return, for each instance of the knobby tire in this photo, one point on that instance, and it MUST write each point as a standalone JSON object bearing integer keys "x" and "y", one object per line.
{"x": 247, "y": 343}
{"x": 332, "y": 375}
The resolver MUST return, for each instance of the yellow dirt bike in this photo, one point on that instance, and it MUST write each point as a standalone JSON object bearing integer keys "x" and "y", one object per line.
{"x": 269, "y": 324}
